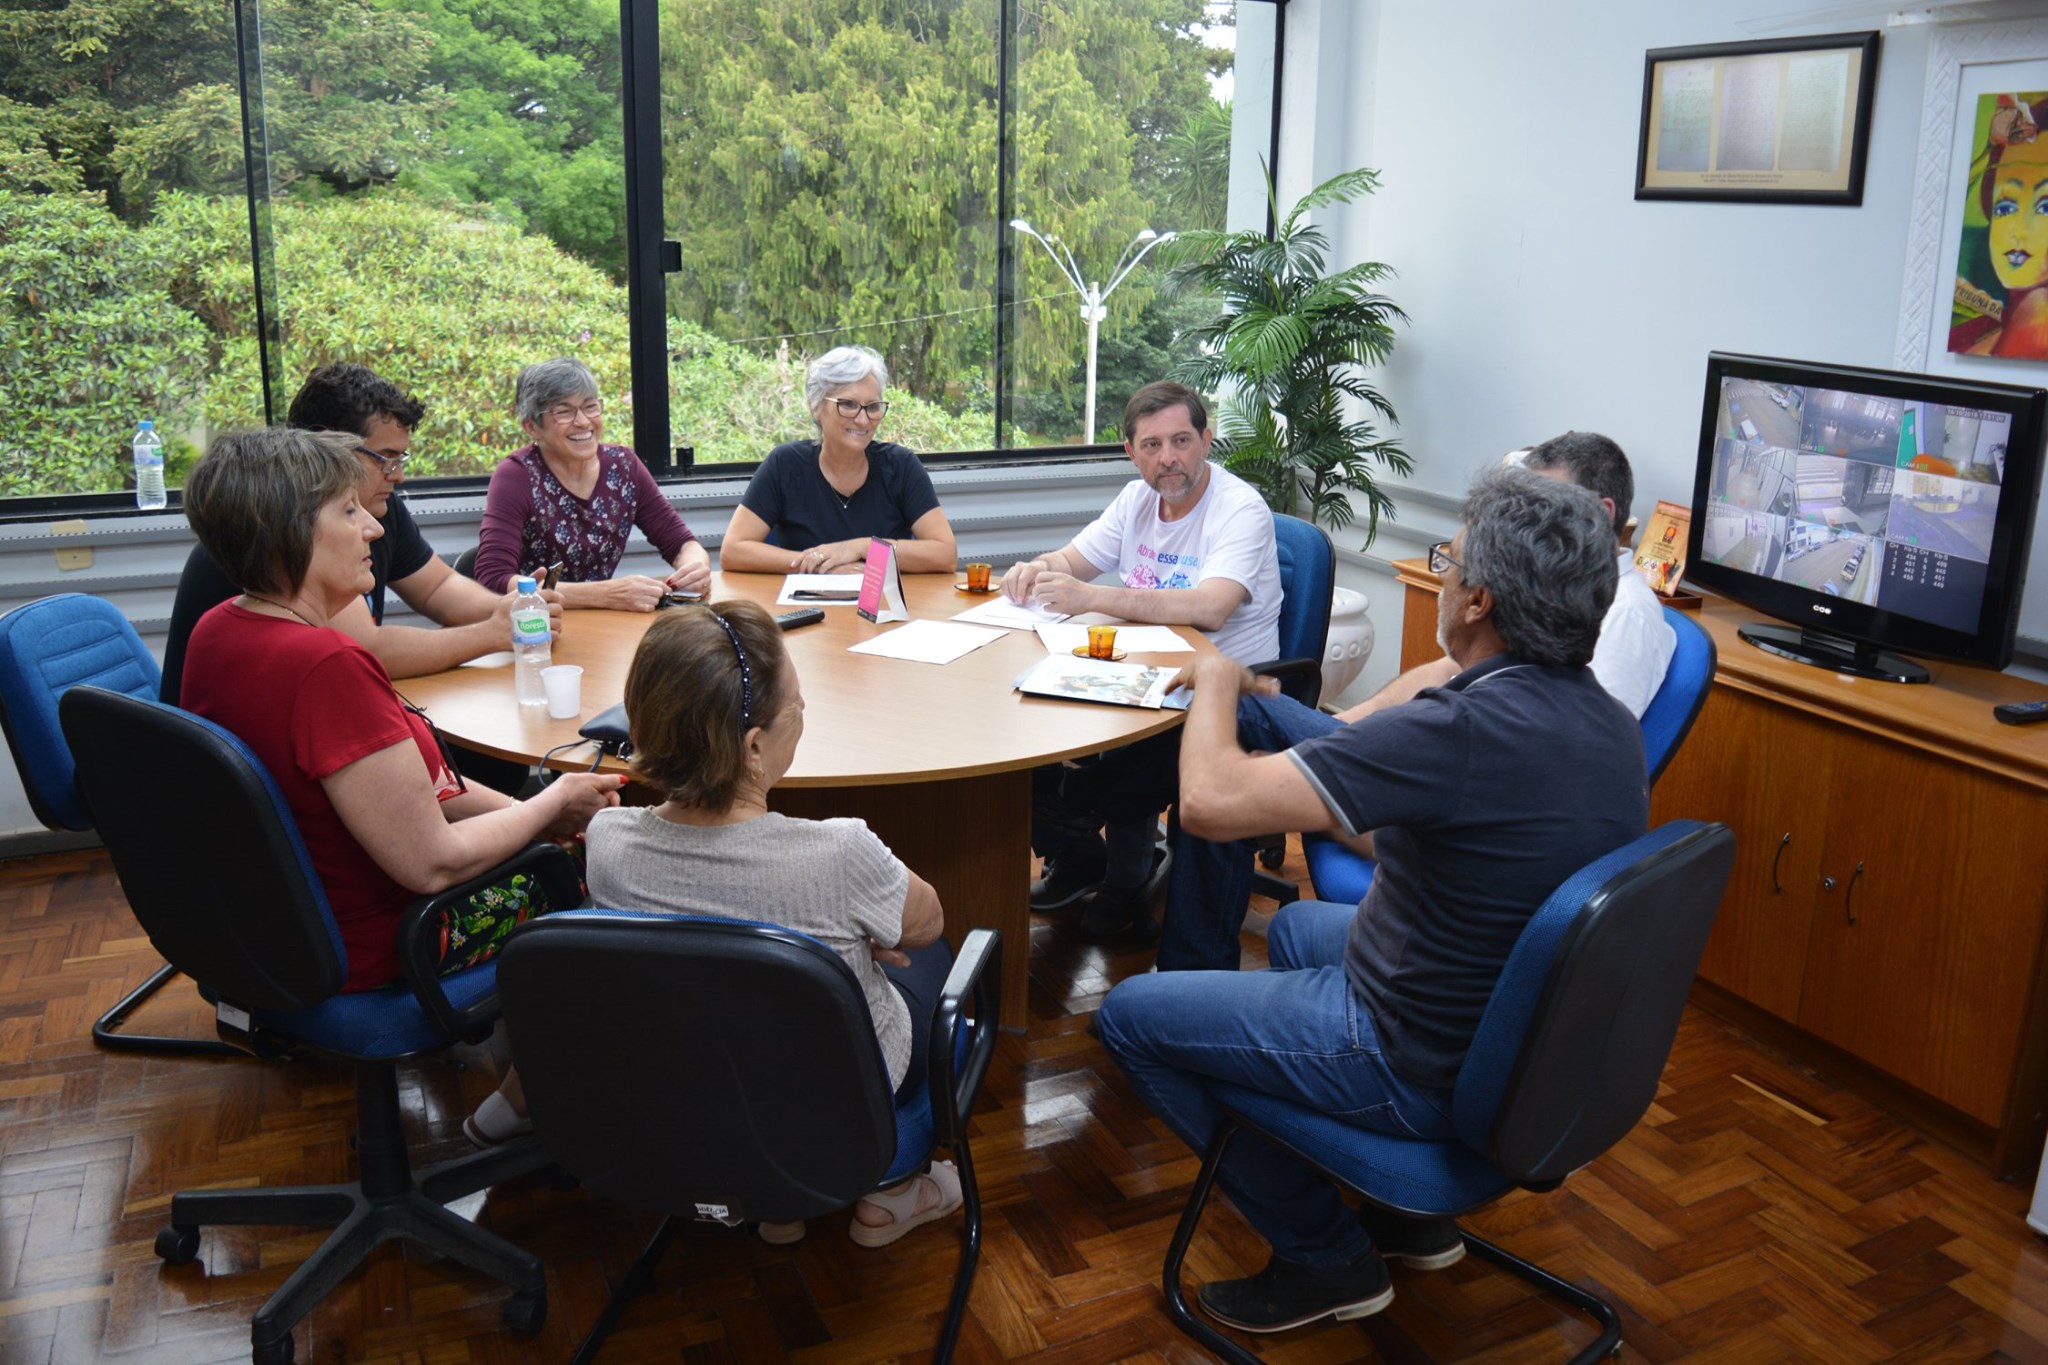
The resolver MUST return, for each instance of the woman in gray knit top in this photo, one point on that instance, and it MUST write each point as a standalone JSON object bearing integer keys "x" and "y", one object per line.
{"x": 716, "y": 715}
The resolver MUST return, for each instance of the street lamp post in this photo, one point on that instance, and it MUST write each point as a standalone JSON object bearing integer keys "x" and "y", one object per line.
{"x": 1093, "y": 296}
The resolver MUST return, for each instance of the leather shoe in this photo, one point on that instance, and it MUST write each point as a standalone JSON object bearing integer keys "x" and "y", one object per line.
{"x": 1115, "y": 912}
{"x": 1421, "y": 1243}
{"x": 1067, "y": 878}
{"x": 1286, "y": 1294}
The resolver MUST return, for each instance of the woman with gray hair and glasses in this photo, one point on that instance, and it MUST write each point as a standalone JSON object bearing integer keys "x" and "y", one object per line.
{"x": 825, "y": 501}
{"x": 571, "y": 499}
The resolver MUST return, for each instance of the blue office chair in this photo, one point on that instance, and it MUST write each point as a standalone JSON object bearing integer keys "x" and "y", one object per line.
{"x": 1565, "y": 1062}
{"x": 1308, "y": 579}
{"x": 47, "y": 648}
{"x": 1342, "y": 876}
{"x": 772, "y": 1105}
{"x": 1680, "y": 696}
{"x": 212, "y": 863}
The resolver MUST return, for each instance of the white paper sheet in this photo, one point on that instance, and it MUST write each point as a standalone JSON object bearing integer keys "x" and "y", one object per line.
{"x": 1064, "y": 637}
{"x": 795, "y": 583}
{"x": 1002, "y": 612}
{"x": 927, "y": 642}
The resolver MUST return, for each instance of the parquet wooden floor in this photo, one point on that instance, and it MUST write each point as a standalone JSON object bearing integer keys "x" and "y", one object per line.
{"x": 1757, "y": 1214}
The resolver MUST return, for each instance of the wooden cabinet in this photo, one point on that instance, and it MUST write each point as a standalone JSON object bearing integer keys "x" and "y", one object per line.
{"x": 1887, "y": 917}
{"x": 1760, "y": 775}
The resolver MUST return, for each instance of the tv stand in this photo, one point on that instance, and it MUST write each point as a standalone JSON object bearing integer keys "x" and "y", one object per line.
{"x": 1822, "y": 650}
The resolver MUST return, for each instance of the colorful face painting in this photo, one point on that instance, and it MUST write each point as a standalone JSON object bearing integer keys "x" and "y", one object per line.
{"x": 2001, "y": 307}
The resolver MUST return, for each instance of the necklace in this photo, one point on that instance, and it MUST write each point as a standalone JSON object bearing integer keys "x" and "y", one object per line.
{"x": 280, "y": 606}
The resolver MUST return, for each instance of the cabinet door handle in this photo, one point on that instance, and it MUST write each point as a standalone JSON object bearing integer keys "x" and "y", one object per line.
{"x": 1778, "y": 887}
{"x": 1849, "y": 894}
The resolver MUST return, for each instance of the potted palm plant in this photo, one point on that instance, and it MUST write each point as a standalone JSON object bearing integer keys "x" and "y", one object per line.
{"x": 1289, "y": 346}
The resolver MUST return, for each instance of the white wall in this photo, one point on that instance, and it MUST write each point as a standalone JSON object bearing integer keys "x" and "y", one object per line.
{"x": 1542, "y": 295}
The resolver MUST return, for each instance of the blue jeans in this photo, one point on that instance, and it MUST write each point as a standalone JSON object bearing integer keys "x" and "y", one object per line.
{"x": 920, "y": 984}
{"x": 1212, "y": 882}
{"x": 1297, "y": 1032}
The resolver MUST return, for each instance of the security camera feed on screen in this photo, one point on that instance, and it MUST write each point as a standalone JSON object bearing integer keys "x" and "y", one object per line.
{"x": 1875, "y": 500}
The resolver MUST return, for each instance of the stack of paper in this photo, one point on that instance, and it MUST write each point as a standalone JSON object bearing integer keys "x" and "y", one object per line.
{"x": 1008, "y": 615}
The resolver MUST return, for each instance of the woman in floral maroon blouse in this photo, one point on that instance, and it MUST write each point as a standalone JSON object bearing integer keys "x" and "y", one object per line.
{"x": 571, "y": 499}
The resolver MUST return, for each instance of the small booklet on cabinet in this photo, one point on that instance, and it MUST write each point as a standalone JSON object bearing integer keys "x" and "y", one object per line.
{"x": 1660, "y": 554}
{"x": 1071, "y": 679}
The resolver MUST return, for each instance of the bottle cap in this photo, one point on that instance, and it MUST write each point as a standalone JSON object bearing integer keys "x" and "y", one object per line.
{"x": 146, "y": 425}
{"x": 526, "y": 584}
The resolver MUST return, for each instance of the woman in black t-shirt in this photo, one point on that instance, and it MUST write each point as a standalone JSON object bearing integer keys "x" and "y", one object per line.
{"x": 825, "y": 501}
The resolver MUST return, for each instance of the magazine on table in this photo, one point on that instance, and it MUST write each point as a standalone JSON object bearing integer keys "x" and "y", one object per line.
{"x": 1071, "y": 679}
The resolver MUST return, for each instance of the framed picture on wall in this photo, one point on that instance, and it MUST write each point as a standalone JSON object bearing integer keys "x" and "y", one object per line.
{"x": 1974, "y": 287}
{"x": 1778, "y": 121}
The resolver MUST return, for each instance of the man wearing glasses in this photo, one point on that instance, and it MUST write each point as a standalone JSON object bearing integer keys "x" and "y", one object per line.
{"x": 1212, "y": 882}
{"x": 474, "y": 620}
{"x": 1488, "y": 792}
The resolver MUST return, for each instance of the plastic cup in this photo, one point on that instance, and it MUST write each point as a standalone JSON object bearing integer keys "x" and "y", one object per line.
{"x": 977, "y": 578}
{"x": 564, "y": 684}
{"x": 1101, "y": 642}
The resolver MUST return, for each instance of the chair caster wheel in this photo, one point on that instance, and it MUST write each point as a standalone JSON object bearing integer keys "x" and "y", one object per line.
{"x": 176, "y": 1245}
{"x": 277, "y": 1353}
{"x": 527, "y": 1311}
{"x": 1271, "y": 858}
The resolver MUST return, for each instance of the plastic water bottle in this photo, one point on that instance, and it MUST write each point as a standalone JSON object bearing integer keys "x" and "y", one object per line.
{"x": 531, "y": 650}
{"x": 149, "y": 468}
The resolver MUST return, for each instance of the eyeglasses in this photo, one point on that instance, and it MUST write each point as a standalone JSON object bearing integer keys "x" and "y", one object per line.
{"x": 386, "y": 464}
{"x": 569, "y": 412}
{"x": 440, "y": 741}
{"x": 848, "y": 408}
{"x": 1440, "y": 558}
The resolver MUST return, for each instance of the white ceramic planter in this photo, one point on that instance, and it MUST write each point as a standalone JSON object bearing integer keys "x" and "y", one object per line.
{"x": 1350, "y": 643}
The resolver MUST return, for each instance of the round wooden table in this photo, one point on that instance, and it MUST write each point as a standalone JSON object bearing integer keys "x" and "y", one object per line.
{"x": 937, "y": 759}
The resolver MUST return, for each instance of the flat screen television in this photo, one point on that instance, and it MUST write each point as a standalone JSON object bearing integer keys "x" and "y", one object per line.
{"x": 1872, "y": 510}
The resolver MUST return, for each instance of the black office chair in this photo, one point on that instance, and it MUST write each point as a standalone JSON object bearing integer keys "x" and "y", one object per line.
{"x": 47, "y": 648}
{"x": 768, "y": 1101}
{"x": 213, "y": 866}
{"x": 465, "y": 563}
{"x": 1565, "y": 1062}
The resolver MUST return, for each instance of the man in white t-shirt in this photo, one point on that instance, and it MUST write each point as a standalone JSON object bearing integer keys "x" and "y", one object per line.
{"x": 1191, "y": 545}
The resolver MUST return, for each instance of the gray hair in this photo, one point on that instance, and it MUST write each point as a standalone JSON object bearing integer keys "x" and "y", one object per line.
{"x": 1593, "y": 462}
{"x": 1545, "y": 550}
{"x": 548, "y": 382}
{"x": 255, "y": 497}
{"x": 840, "y": 366}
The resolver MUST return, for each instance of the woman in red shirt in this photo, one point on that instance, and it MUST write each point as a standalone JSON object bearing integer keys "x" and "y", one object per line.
{"x": 384, "y": 816}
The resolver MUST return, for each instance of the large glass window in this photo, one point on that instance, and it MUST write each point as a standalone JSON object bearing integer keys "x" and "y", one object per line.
{"x": 120, "y": 137}
{"x": 436, "y": 188}
{"x": 447, "y": 204}
{"x": 435, "y": 191}
{"x": 835, "y": 173}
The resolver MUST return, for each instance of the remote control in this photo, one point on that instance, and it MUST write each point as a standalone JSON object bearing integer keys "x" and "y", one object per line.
{"x": 790, "y": 620}
{"x": 2021, "y": 712}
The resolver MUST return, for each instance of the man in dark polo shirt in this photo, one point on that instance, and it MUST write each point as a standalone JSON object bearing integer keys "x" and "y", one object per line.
{"x": 474, "y": 621}
{"x": 1486, "y": 794}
